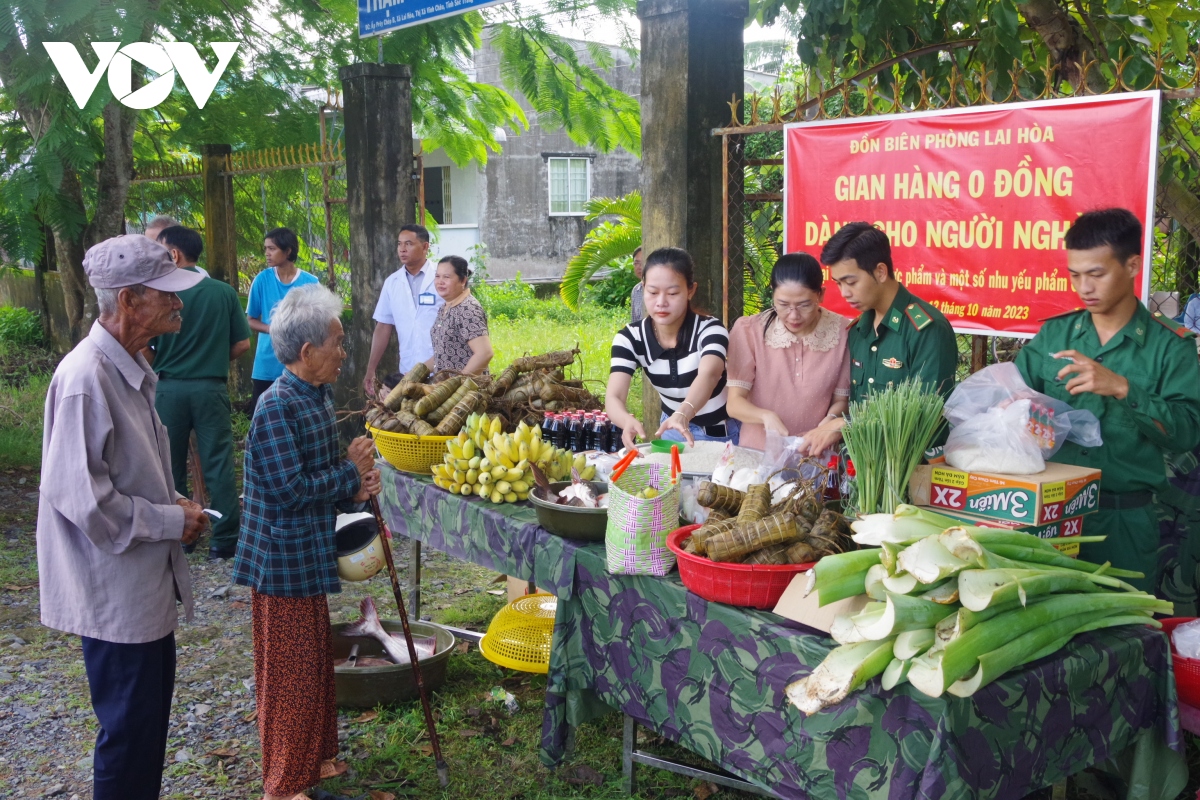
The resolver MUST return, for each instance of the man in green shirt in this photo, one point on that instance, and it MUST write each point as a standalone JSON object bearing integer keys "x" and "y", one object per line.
{"x": 193, "y": 368}
{"x": 1136, "y": 371}
{"x": 897, "y": 335}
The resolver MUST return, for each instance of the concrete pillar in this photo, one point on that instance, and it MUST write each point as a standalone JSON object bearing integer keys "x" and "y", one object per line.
{"x": 380, "y": 197}
{"x": 220, "y": 245}
{"x": 220, "y": 222}
{"x": 692, "y": 64}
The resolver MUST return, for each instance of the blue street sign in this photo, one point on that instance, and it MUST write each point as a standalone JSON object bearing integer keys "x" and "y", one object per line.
{"x": 377, "y": 17}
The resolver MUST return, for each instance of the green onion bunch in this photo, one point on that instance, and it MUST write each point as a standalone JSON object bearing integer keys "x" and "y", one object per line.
{"x": 886, "y": 438}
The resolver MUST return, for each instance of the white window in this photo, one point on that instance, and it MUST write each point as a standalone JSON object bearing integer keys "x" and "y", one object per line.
{"x": 570, "y": 185}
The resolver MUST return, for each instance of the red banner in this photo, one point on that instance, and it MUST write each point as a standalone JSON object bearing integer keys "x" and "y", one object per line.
{"x": 975, "y": 201}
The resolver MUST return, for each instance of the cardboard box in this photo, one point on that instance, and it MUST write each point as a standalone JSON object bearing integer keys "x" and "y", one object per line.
{"x": 1059, "y": 492}
{"x": 1072, "y": 526}
{"x": 518, "y": 588}
{"x": 808, "y": 611}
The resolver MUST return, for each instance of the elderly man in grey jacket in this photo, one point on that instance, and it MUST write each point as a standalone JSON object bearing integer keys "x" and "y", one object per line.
{"x": 110, "y": 524}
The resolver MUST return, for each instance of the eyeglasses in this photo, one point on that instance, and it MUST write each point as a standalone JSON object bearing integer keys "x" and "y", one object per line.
{"x": 784, "y": 309}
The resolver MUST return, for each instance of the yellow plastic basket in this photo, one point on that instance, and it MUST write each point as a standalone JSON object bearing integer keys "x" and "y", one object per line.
{"x": 519, "y": 635}
{"x": 410, "y": 453}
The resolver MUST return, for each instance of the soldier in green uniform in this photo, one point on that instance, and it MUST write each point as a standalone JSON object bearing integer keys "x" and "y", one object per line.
{"x": 1136, "y": 371}
{"x": 193, "y": 367}
{"x": 897, "y": 335}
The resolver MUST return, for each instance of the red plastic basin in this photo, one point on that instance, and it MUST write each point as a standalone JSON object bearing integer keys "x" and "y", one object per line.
{"x": 749, "y": 585}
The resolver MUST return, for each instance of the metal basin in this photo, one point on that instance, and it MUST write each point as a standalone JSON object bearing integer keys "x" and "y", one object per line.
{"x": 367, "y": 687}
{"x": 572, "y": 522}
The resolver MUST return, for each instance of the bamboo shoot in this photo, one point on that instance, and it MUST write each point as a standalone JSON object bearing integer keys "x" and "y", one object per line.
{"x": 845, "y": 669}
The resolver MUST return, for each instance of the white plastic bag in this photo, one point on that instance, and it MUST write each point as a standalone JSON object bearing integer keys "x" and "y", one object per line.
{"x": 736, "y": 467}
{"x": 997, "y": 440}
{"x": 1054, "y": 421}
{"x": 1187, "y": 639}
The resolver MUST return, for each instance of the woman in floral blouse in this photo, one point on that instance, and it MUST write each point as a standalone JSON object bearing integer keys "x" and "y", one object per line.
{"x": 789, "y": 369}
{"x": 460, "y": 332}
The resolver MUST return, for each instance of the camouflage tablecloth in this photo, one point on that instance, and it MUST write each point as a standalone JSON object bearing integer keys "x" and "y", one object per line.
{"x": 711, "y": 677}
{"x": 503, "y": 537}
{"x": 1178, "y": 505}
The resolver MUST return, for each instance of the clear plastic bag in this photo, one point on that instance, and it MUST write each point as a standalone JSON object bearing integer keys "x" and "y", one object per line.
{"x": 780, "y": 452}
{"x": 998, "y": 440}
{"x": 689, "y": 508}
{"x": 1050, "y": 422}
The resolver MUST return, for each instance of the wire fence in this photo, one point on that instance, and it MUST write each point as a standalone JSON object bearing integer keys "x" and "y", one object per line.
{"x": 303, "y": 189}
{"x": 295, "y": 199}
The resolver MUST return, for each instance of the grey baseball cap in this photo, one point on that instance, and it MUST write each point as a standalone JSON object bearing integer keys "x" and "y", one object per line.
{"x": 132, "y": 259}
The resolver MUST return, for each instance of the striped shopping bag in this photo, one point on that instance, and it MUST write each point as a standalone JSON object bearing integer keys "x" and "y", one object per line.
{"x": 635, "y": 541}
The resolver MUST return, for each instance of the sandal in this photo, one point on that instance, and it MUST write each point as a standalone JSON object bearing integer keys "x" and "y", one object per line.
{"x": 331, "y": 768}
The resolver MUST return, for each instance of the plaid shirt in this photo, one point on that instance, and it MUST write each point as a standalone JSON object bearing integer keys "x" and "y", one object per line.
{"x": 294, "y": 477}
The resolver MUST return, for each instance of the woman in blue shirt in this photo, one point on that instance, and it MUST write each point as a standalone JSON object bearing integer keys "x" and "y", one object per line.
{"x": 281, "y": 248}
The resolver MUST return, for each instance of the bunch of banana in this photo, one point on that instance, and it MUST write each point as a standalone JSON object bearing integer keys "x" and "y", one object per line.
{"x": 484, "y": 461}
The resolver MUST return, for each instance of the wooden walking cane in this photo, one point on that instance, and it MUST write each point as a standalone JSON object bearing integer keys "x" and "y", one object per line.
{"x": 199, "y": 489}
{"x": 443, "y": 771}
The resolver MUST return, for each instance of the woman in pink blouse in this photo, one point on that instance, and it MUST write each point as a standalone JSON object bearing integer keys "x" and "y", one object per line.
{"x": 789, "y": 368}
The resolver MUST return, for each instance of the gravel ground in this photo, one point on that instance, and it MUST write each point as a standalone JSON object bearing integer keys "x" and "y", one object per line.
{"x": 47, "y": 729}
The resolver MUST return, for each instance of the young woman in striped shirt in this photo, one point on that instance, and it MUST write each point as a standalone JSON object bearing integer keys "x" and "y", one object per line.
{"x": 681, "y": 353}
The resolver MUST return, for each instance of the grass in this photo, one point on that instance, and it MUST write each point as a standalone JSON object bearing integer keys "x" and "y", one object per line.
{"x": 25, "y": 372}
{"x": 21, "y": 409}
{"x": 494, "y": 755}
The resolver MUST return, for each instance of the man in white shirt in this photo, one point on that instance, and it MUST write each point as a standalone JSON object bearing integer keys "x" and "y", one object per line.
{"x": 407, "y": 305}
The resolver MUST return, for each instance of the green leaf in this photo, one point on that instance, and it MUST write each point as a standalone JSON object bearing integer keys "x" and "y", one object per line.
{"x": 1004, "y": 14}
{"x": 1179, "y": 41}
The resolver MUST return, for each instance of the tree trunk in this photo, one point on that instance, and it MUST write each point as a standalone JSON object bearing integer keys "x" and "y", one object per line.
{"x": 1068, "y": 45}
{"x": 1184, "y": 207}
{"x": 40, "y": 268}
{"x": 112, "y": 192}
{"x": 78, "y": 297}
{"x": 115, "y": 173}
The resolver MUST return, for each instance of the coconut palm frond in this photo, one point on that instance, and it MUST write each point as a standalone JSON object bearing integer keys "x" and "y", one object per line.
{"x": 627, "y": 207}
{"x": 603, "y": 245}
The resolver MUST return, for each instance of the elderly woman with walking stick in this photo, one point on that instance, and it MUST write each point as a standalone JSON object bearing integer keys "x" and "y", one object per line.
{"x": 296, "y": 481}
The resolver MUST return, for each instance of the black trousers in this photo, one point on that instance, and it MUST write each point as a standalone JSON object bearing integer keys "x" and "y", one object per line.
{"x": 131, "y": 688}
{"x": 259, "y": 388}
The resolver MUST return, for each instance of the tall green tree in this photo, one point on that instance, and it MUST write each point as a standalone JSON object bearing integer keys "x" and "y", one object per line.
{"x": 65, "y": 172}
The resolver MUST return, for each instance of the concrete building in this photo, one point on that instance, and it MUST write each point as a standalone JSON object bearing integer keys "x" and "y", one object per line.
{"x": 526, "y": 205}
